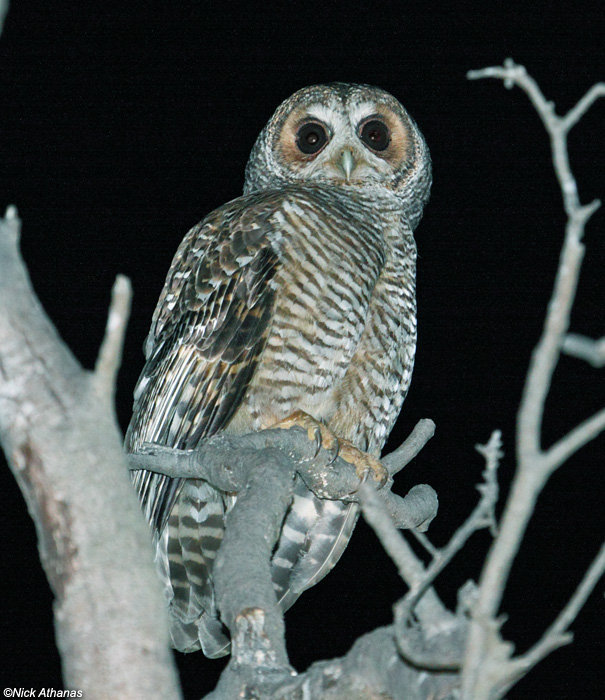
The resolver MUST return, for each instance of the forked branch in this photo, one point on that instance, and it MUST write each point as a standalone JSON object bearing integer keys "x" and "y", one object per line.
{"x": 64, "y": 449}
{"x": 486, "y": 662}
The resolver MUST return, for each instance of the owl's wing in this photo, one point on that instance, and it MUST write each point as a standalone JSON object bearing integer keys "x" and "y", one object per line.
{"x": 208, "y": 331}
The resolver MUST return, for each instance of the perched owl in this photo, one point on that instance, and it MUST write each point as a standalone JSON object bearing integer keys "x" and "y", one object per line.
{"x": 297, "y": 296}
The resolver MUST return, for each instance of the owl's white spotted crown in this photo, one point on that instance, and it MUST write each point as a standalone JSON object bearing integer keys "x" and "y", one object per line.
{"x": 399, "y": 171}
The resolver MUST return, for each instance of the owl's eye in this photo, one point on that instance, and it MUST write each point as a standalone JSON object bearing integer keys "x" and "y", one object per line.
{"x": 375, "y": 135}
{"x": 311, "y": 138}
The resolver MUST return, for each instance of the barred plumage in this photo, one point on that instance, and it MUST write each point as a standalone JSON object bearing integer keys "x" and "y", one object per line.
{"x": 297, "y": 296}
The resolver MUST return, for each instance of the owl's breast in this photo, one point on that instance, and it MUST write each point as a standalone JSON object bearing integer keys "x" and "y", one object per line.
{"x": 336, "y": 333}
{"x": 371, "y": 393}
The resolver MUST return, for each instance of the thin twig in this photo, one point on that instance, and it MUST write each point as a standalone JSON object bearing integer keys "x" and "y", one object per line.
{"x": 574, "y": 115}
{"x": 557, "y": 635}
{"x": 417, "y": 439}
{"x": 569, "y": 613}
{"x": 426, "y": 543}
{"x": 556, "y": 126}
{"x": 409, "y": 567}
{"x": 593, "y": 351}
{"x": 110, "y": 352}
{"x": 574, "y": 440}
{"x": 481, "y": 517}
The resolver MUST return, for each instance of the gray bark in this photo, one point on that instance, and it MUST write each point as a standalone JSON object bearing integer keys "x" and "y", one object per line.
{"x": 62, "y": 442}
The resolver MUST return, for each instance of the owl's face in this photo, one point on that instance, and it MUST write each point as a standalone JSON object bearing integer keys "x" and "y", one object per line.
{"x": 343, "y": 135}
{"x": 343, "y": 141}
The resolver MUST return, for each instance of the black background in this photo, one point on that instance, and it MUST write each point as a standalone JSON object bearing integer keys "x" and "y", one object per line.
{"x": 123, "y": 124}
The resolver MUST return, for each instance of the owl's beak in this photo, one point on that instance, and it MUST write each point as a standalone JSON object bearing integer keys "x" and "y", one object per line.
{"x": 347, "y": 163}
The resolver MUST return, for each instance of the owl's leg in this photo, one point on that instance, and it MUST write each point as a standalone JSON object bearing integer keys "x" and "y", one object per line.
{"x": 363, "y": 462}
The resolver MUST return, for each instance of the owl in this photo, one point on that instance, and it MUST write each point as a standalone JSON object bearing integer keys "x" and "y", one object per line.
{"x": 298, "y": 296}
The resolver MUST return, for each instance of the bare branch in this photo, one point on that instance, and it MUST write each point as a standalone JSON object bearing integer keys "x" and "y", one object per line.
{"x": 435, "y": 654}
{"x": 574, "y": 440}
{"x": 417, "y": 439}
{"x": 593, "y": 351}
{"x": 261, "y": 467}
{"x": 557, "y": 635}
{"x": 373, "y": 668}
{"x": 574, "y": 115}
{"x": 242, "y": 573}
{"x": 492, "y": 453}
{"x": 481, "y": 517}
{"x": 110, "y": 353}
{"x": 408, "y": 565}
{"x": 65, "y": 451}
{"x": 426, "y": 543}
{"x": 415, "y": 511}
{"x": 534, "y": 467}
{"x": 557, "y": 127}
{"x": 223, "y": 461}
{"x": 558, "y": 630}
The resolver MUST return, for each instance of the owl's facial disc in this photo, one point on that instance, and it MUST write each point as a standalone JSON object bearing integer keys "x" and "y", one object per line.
{"x": 360, "y": 144}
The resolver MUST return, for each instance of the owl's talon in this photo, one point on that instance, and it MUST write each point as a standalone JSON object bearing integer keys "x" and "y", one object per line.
{"x": 377, "y": 470}
{"x": 334, "y": 452}
{"x": 318, "y": 441}
{"x": 363, "y": 462}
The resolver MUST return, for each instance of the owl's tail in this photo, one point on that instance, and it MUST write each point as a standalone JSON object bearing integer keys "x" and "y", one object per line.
{"x": 314, "y": 535}
{"x": 185, "y": 554}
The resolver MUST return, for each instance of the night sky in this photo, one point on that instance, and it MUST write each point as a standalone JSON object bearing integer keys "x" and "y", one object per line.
{"x": 123, "y": 124}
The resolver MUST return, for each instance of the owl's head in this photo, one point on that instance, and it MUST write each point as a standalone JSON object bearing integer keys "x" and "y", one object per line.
{"x": 343, "y": 135}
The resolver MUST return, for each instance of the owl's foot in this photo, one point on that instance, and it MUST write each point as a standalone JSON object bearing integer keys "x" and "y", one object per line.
{"x": 363, "y": 462}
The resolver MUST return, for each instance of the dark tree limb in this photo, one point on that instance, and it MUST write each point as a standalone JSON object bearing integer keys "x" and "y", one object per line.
{"x": 225, "y": 462}
{"x": 242, "y": 572}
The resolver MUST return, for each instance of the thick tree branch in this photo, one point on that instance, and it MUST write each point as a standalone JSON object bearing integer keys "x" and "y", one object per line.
{"x": 261, "y": 468}
{"x": 242, "y": 572}
{"x": 373, "y": 668}
{"x": 65, "y": 451}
